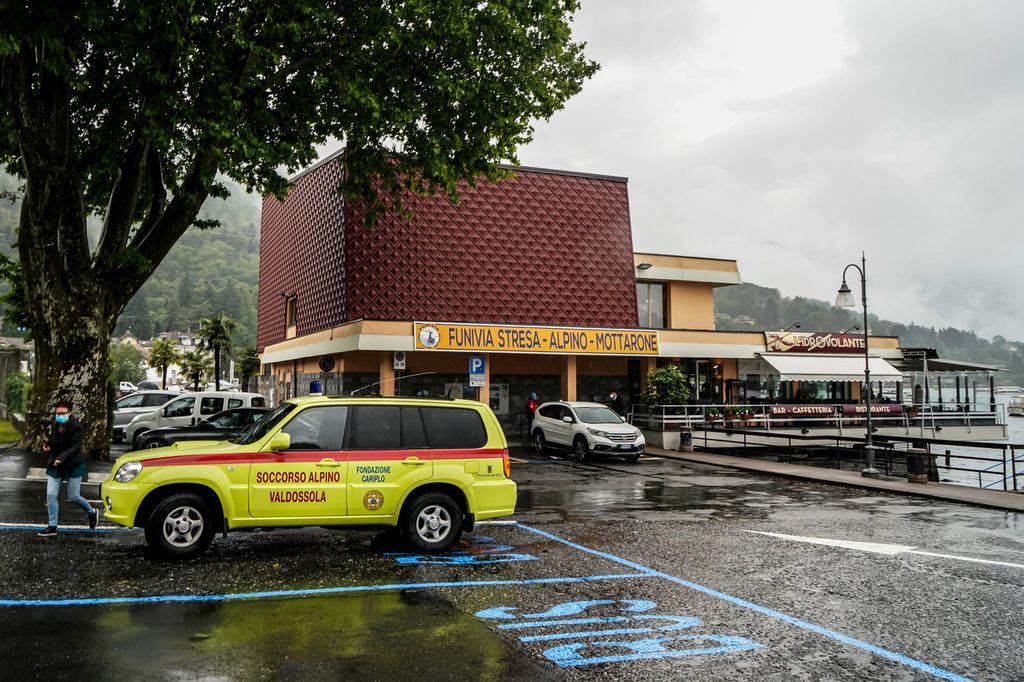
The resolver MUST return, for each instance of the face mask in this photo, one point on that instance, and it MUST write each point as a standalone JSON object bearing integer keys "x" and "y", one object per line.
{"x": 63, "y": 418}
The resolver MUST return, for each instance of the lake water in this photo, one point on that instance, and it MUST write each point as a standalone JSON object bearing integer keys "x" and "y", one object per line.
{"x": 1015, "y": 435}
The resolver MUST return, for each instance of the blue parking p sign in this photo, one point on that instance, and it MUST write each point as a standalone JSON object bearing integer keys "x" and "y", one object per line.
{"x": 476, "y": 371}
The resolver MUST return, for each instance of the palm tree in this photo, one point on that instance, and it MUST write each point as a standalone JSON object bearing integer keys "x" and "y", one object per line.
{"x": 194, "y": 364}
{"x": 215, "y": 335}
{"x": 162, "y": 354}
{"x": 248, "y": 366}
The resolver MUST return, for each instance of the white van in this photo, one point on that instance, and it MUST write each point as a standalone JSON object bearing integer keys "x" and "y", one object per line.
{"x": 188, "y": 409}
{"x": 140, "y": 402}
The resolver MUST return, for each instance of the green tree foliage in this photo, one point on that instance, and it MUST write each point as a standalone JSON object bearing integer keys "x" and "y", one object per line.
{"x": 194, "y": 365}
{"x": 14, "y": 391}
{"x": 248, "y": 366}
{"x": 127, "y": 363}
{"x": 215, "y": 335}
{"x": 162, "y": 354}
{"x": 666, "y": 386}
{"x": 129, "y": 112}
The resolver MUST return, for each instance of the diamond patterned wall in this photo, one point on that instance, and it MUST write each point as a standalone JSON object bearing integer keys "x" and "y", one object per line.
{"x": 302, "y": 247}
{"x": 541, "y": 248}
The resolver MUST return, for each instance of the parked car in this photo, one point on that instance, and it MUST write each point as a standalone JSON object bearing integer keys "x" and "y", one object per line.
{"x": 126, "y": 408}
{"x": 126, "y": 387}
{"x": 585, "y": 429}
{"x": 221, "y": 426}
{"x": 429, "y": 468}
{"x": 148, "y": 385}
{"x": 188, "y": 409}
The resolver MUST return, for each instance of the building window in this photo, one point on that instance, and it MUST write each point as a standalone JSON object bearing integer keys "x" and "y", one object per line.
{"x": 650, "y": 304}
{"x": 290, "y": 311}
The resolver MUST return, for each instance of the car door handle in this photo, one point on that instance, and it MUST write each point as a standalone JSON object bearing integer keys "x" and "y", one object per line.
{"x": 328, "y": 463}
{"x": 413, "y": 461}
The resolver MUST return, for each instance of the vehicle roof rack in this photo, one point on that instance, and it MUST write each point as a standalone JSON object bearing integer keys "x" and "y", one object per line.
{"x": 393, "y": 397}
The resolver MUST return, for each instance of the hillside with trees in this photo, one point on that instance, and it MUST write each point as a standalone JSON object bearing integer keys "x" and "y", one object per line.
{"x": 208, "y": 271}
{"x": 749, "y": 307}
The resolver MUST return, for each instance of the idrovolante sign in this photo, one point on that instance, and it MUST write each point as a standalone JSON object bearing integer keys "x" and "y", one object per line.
{"x": 525, "y": 339}
{"x": 789, "y": 342}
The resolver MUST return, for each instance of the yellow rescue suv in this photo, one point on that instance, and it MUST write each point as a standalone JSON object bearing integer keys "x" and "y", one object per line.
{"x": 430, "y": 467}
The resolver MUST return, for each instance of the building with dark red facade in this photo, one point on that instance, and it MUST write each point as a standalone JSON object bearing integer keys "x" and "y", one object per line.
{"x": 535, "y": 274}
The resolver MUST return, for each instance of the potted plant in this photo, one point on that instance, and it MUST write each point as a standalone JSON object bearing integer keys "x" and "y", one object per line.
{"x": 712, "y": 414}
{"x": 747, "y": 416}
{"x": 665, "y": 386}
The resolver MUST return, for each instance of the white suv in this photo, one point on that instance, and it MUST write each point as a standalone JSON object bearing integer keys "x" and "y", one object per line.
{"x": 585, "y": 429}
{"x": 188, "y": 409}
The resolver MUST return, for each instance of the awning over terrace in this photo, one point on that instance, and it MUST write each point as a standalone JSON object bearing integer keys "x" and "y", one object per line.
{"x": 792, "y": 367}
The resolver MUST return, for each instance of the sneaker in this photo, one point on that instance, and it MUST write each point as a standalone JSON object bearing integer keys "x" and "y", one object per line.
{"x": 48, "y": 531}
{"x": 94, "y": 516}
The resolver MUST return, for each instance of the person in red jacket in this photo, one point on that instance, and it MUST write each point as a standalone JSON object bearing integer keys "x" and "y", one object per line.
{"x": 531, "y": 407}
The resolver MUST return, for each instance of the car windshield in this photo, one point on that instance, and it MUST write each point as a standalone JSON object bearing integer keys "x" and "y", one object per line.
{"x": 263, "y": 426}
{"x": 597, "y": 415}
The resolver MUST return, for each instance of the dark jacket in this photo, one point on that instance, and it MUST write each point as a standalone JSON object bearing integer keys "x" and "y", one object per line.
{"x": 65, "y": 445}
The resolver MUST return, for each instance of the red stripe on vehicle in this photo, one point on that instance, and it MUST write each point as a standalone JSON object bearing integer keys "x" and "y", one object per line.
{"x": 243, "y": 458}
{"x": 317, "y": 455}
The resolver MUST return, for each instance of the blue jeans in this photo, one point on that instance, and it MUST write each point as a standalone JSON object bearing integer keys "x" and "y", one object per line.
{"x": 74, "y": 495}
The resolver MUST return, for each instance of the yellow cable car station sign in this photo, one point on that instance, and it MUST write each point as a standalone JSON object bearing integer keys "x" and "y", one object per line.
{"x": 522, "y": 339}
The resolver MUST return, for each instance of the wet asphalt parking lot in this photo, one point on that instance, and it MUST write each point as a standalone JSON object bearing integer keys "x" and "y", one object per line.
{"x": 610, "y": 570}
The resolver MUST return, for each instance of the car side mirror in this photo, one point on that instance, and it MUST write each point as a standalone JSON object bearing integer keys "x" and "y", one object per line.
{"x": 280, "y": 441}
{"x": 622, "y": 418}
{"x": 567, "y": 420}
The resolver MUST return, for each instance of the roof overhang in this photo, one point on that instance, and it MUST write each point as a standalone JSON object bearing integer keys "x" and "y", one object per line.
{"x": 805, "y": 367}
{"x": 660, "y": 268}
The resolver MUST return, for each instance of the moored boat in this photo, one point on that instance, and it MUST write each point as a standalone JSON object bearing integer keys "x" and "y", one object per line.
{"x": 1015, "y": 408}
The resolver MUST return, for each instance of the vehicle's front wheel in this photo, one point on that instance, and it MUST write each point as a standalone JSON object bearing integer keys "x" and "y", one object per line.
{"x": 580, "y": 450}
{"x": 137, "y": 438}
{"x": 432, "y": 522}
{"x": 180, "y": 527}
{"x": 538, "y": 441}
{"x": 150, "y": 443}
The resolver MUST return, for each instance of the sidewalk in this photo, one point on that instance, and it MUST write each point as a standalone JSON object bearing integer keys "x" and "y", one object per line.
{"x": 997, "y": 499}
{"x": 16, "y": 463}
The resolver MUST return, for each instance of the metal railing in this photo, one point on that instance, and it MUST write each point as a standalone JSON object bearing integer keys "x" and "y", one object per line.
{"x": 994, "y": 464}
{"x": 829, "y": 416}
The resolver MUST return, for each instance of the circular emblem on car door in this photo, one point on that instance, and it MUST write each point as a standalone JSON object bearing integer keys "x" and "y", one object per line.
{"x": 373, "y": 500}
{"x": 429, "y": 336}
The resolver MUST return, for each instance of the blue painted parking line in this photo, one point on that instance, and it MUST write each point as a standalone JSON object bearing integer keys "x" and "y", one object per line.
{"x": 771, "y": 613}
{"x": 311, "y": 592}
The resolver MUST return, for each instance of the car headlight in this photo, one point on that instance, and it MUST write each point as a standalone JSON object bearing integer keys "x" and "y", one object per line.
{"x": 599, "y": 434}
{"x": 128, "y": 471}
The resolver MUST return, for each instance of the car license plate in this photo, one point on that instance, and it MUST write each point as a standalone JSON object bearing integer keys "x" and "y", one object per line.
{"x": 624, "y": 446}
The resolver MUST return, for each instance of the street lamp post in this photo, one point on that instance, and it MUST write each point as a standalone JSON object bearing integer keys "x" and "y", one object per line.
{"x": 845, "y": 300}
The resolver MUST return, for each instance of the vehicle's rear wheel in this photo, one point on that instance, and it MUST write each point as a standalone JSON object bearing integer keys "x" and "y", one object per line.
{"x": 538, "y": 441}
{"x": 150, "y": 443}
{"x": 180, "y": 527}
{"x": 432, "y": 522}
{"x": 580, "y": 451}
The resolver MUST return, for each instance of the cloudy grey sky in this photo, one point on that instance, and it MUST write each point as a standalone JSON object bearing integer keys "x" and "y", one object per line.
{"x": 793, "y": 134}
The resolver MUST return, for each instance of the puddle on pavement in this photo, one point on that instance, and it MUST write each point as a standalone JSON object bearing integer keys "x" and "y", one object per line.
{"x": 363, "y": 637}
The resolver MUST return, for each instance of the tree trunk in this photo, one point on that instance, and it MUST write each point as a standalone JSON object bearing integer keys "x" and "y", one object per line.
{"x": 75, "y": 368}
{"x": 216, "y": 367}
{"x": 163, "y": 382}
